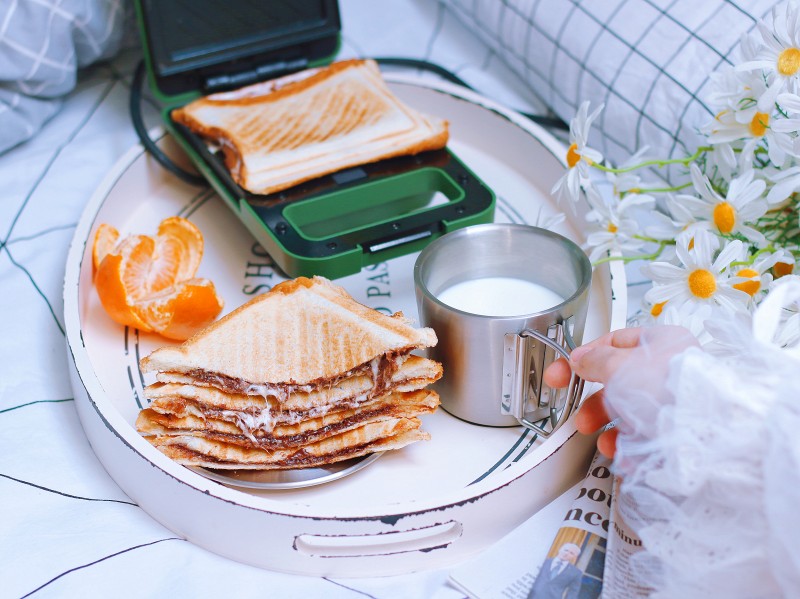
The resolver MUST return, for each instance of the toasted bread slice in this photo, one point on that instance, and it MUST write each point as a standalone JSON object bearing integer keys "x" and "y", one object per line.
{"x": 412, "y": 374}
{"x": 302, "y": 334}
{"x": 293, "y": 129}
{"x": 220, "y": 427}
{"x": 197, "y": 451}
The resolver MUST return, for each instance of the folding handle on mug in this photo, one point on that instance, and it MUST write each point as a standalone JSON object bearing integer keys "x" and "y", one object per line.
{"x": 523, "y": 367}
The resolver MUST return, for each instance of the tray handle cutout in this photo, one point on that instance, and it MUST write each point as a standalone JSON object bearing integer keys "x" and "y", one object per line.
{"x": 385, "y": 543}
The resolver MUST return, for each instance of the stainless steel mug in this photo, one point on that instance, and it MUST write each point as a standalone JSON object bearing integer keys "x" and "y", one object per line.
{"x": 493, "y": 364}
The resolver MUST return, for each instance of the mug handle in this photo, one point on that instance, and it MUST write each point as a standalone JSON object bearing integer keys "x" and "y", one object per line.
{"x": 517, "y": 374}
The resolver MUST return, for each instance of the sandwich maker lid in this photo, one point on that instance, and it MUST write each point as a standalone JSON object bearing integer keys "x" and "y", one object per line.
{"x": 196, "y": 47}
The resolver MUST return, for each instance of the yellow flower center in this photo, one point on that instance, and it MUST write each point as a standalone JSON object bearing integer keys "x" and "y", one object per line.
{"x": 573, "y": 157}
{"x": 702, "y": 283}
{"x": 781, "y": 269}
{"x": 657, "y": 309}
{"x": 612, "y": 228}
{"x": 789, "y": 62}
{"x": 749, "y": 287}
{"x": 691, "y": 244}
{"x": 724, "y": 217}
{"x": 759, "y": 124}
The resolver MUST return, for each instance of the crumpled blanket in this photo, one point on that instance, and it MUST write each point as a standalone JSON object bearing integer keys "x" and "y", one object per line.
{"x": 42, "y": 46}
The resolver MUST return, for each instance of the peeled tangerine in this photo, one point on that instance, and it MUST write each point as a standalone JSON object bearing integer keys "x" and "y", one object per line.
{"x": 148, "y": 282}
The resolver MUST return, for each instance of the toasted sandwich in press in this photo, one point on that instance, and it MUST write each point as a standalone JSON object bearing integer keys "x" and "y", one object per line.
{"x": 301, "y": 376}
{"x": 282, "y": 132}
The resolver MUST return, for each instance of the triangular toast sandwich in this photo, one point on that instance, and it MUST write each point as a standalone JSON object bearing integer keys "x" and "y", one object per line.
{"x": 298, "y": 377}
{"x": 302, "y": 335}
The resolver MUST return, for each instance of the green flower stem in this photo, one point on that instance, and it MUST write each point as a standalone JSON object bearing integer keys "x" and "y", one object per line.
{"x": 780, "y": 226}
{"x": 661, "y": 242}
{"x": 662, "y": 189}
{"x": 750, "y": 261}
{"x": 700, "y": 151}
{"x": 627, "y": 259}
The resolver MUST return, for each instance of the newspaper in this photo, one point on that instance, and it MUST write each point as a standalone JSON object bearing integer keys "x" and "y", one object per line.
{"x": 517, "y": 568}
{"x": 623, "y": 544}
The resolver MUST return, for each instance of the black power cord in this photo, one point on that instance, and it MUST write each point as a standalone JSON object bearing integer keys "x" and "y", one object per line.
{"x": 144, "y": 137}
{"x": 545, "y": 121}
{"x": 193, "y": 179}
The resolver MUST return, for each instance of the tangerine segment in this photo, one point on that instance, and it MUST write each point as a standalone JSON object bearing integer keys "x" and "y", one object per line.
{"x": 163, "y": 267}
{"x": 113, "y": 292}
{"x": 104, "y": 242}
{"x": 189, "y": 236}
{"x": 180, "y": 311}
{"x": 149, "y": 264}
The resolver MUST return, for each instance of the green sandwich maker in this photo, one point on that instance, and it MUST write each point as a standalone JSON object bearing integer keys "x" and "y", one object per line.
{"x": 333, "y": 225}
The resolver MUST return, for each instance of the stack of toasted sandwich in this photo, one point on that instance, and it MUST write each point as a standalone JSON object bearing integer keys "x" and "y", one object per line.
{"x": 299, "y": 377}
{"x": 282, "y": 132}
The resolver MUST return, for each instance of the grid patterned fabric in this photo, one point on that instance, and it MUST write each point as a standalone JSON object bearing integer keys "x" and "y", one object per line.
{"x": 648, "y": 61}
{"x": 42, "y": 45}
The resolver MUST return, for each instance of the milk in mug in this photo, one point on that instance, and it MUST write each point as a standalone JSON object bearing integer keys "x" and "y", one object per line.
{"x": 499, "y": 296}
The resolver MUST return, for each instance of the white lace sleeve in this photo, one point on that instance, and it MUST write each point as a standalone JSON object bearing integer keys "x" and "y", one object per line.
{"x": 714, "y": 470}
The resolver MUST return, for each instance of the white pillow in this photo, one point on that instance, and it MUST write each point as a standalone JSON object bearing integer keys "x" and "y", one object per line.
{"x": 648, "y": 61}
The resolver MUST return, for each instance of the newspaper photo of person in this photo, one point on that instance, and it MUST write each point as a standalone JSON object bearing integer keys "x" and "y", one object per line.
{"x": 559, "y": 577}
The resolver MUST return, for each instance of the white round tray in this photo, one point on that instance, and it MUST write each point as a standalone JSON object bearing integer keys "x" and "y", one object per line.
{"x": 428, "y": 505}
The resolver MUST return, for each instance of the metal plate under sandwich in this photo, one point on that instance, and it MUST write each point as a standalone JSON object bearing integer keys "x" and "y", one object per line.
{"x": 276, "y": 480}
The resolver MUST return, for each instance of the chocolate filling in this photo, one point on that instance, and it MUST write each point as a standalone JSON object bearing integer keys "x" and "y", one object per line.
{"x": 381, "y": 369}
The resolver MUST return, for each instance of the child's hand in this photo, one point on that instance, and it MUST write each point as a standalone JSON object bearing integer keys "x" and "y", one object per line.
{"x": 601, "y": 359}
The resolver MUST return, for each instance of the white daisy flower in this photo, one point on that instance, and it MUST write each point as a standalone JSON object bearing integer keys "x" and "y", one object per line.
{"x": 788, "y": 332}
{"x": 726, "y": 88}
{"x": 699, "y": 278}
{"x": 579, "y": 155}
{"x": 755, "y": 279}
{"x": 728, "y": 333}
{"x": 721, "y": 161}
{"x": 786, "y": 262}
{"x": 629, "y": 182}
{"x": 660, "y": 226}
{"x": 789, "y": 104}
{"x": 618, "y": 230}
{"x": 749, "y": 114}
{"x": 779, "y": 54}
{"x": 680, "y": 215}
{"x": 761, "y": 126}
{"x": 730, "y": 214}
{"x": 690, "y": 317}
{"x": 667, "y": 227}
